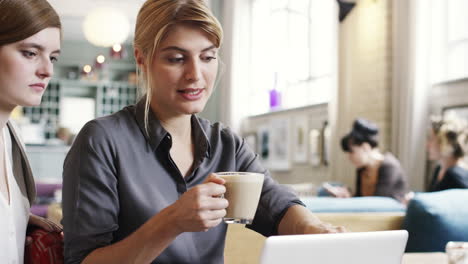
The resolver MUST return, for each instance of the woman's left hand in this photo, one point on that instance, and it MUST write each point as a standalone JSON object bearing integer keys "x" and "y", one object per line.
{"x": 43, "y": 223}
{"x": 323, "y": 228}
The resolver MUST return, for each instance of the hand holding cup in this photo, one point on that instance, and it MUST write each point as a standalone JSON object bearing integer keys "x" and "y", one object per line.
{"x": 202, "y": 207}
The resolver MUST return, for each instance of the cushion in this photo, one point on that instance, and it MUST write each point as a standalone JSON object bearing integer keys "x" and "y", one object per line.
{"x": 433, "y": 219}
{"x": 46, "y": 247}
{"x": 44, "y": 189}
{"x": 353, "y": 205}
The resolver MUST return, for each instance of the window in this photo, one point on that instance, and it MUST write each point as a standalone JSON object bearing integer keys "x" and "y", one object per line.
{"x": 293, "y": 50}
{"x": 449, "y": 40}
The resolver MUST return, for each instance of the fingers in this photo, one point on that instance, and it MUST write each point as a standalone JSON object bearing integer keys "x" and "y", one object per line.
{"x": 28, "y": 240}
{"x": 211, "y": 189}
{"x": 211, "y": 223}
{"x": 44, "y": 223}
{"x": 218, "y": 203}
{"x": 49, "y": 225}
{"x": 334, "y": 229}
{"x": 324, "y": 228}
{"x": 213, "y": 177}
{"x": 341, "y": 229}
{"x": 211, "y": 203}
{"x": 214, "y": 214}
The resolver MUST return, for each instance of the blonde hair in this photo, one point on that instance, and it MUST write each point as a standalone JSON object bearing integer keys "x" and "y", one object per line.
{"x": 155, "y": 20}
{"x": 452, "y": 135}
{"x": 20, "y": 19}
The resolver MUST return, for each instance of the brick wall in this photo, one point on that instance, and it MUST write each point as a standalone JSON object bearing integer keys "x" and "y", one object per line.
{"x": 365, "y": 78}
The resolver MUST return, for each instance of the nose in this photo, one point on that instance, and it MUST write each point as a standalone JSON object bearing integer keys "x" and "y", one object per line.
{"x": 193, "y": 71}
{"x": 45, "y": 69}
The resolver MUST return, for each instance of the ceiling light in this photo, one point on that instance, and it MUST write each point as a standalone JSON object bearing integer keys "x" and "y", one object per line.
{"x": 106, "y": 26}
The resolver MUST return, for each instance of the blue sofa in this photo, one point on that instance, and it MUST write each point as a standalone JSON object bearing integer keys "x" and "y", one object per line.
{"x": 431, "y": 219}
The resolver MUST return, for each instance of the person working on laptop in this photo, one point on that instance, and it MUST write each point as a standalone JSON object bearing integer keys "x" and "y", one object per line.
{"x": 448, "y": 144}
{"x": 138, "y": 184}
{"x": 378, "y": 174}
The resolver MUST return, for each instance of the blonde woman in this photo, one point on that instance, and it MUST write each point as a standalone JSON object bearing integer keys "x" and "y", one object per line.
{"x": 447, "y": 145}
{"x": 29, "y": 45}
{"x": 138, "y": 184}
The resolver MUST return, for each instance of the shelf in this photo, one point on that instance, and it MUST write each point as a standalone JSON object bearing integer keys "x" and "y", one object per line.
{"x": 109, "y": 96}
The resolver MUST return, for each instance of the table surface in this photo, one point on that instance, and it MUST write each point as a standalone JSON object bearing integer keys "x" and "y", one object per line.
{"x": 425, "y": 258}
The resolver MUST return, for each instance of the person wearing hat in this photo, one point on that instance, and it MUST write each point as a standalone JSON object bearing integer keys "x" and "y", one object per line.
{"x": 378, "y": 174}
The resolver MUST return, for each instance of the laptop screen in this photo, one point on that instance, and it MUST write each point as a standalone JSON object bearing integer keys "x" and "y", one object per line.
{"x": 382, "y": 247}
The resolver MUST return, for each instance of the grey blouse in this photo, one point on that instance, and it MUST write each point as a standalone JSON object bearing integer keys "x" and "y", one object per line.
{"x": 116, "y": 177}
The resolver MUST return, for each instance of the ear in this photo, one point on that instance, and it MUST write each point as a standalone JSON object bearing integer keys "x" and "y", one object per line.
{"x": 139, "y": 58}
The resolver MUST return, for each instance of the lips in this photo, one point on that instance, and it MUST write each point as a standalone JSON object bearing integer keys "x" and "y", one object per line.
{"x": 191, "y": 94}
{"x": 39, "y": 87}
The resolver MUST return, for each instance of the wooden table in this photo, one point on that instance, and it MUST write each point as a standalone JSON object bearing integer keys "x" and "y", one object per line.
{"x": 425, "y": 258}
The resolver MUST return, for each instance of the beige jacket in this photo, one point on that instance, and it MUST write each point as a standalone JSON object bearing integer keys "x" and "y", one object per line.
{"x": 21, "y": 167}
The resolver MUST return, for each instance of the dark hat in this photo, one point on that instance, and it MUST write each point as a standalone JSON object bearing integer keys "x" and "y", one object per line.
{"x": 363, "y": 126}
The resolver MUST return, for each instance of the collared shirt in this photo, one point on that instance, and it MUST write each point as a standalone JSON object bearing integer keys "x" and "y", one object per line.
{"x": 117, "y": 176}
{"x": 14, "y": 211}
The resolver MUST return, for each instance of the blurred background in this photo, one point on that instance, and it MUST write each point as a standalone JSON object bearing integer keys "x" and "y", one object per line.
{"x": 297, "y": 73}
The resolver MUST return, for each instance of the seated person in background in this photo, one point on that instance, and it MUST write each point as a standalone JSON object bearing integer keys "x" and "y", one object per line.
{"x": 377, "y": 174}
{"x": 447, "y": 144}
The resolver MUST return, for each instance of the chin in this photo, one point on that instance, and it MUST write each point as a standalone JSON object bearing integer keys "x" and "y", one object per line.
{"x": 195, "y": 109}
{"x": 32, "y": 102}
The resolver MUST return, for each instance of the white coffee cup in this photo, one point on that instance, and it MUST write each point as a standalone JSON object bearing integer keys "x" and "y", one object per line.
{"x": 243, "y": 191}
{"x": 457, "y": 252}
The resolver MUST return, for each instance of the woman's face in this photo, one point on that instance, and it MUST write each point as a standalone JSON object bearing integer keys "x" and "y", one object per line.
{"x": 184, "y": 70}
{"x": 26, "y": 68}
{"x": 359, "y": 155}
{"x": 433, "y": 146}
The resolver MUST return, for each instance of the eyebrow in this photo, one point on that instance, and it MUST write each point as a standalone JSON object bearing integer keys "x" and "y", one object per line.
{"x": 186, "y": 51}
{"x": 37, "y": 46}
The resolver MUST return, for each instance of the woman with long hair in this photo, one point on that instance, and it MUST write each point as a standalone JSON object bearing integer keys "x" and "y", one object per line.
{"x": 30, "y": 36}
{"x": 139, "y": 184}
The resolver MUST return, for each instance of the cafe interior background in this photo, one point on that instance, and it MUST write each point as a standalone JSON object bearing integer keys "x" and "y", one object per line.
{"x": 296, "y": 74}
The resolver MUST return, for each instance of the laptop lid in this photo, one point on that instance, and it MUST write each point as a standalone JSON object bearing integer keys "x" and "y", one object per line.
{"x": 382, "y": 247}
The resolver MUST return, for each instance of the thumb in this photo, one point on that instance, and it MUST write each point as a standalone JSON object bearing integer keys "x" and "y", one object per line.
{"x": 213, "y": 177}
{"x": 28, "y": 240}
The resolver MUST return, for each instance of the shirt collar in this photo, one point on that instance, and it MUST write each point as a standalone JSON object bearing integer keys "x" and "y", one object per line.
{"x": 156, "y": 132}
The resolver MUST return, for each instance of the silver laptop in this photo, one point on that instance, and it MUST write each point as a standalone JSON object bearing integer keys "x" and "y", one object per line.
{"x": 381, "y": 247}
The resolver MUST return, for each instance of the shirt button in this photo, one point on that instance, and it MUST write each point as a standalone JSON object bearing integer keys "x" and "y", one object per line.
{"x": 12, "y": 233}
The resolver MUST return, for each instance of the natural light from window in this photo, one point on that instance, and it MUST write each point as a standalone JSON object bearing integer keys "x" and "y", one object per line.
{"x": 449, "y": 40}
{"x": 293, "y": 50}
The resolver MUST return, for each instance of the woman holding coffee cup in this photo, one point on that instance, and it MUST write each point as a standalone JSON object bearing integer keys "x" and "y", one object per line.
{"x": 139, "y": 185}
